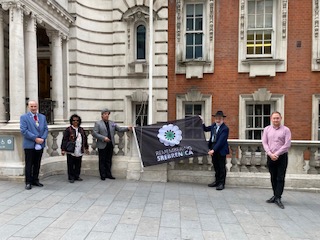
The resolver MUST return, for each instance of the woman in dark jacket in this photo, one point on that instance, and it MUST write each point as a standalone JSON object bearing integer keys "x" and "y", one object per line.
{"x": 76, "y": 134}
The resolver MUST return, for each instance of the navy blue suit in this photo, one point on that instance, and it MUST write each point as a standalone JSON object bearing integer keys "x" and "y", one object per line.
{"x": 221, "y": 149}
{"x": 30, "y": 132}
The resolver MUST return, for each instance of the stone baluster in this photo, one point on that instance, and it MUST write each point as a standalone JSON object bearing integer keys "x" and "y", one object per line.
{"x": 87, "y": 132}
{"x": 129, "y": 139}
{"x": 312, "y": 162}
{"x": 254, "y": 161}
{"x": 121, "y": 143}
{"x": 200, "y": 160}
{"x": 244, "y": 158}
{"x": 54, "y": 135}
{"x": 234, "y": 161}
{"x": 209, "y": 160}
{"x": 263, "y": 167}
{"x": 94, "y": 146}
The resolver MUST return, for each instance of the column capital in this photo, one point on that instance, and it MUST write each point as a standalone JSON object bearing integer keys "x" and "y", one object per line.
{"x": 11, "y": 4}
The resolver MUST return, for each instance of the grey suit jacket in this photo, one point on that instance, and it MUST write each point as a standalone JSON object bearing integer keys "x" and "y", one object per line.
{"x": 100, "y": 132}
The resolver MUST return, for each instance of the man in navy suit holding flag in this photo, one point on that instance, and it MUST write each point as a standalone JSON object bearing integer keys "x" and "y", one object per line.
{"x": 218, "y": 149}
{"x": 33, "y": 127}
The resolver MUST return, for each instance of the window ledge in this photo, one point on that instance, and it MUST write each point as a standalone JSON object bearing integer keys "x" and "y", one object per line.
{"x": 138, "y": 67}
{"x": 194, "y": 68}
{"x": 262, "y": 66}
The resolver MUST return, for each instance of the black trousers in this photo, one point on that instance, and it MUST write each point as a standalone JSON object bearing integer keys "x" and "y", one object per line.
{"x": 219, "y": 164}
{"x": 32, "y": 165}
{"x": 105, "y": 160}
{"x": 277, "y": 171}
{"x": 74, "y": 166}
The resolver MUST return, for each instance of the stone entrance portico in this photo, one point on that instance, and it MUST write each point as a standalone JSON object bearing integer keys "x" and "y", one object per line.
{"x": 19, "y": 55}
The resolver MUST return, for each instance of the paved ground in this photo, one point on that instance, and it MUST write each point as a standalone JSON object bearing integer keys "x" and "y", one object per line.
{"x": 120, "y": 209}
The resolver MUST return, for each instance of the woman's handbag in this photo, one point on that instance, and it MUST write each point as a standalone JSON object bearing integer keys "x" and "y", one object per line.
{"x": 71, "y": 144}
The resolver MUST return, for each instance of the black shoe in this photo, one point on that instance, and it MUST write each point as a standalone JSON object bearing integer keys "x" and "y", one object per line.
{"x": 71, "y": 180}
{"x": 79, "y": 179}
{"x": 111, "y": 177}
{"x": 37, "y": 183}
{"x": 220, "y": 187}
{"x": 271, "y": 200}
{"x": 28, "y": 186}
{"x": 103, "y": 178}
{"x": 279, "y": 203}
{"x": 214, "y": 184}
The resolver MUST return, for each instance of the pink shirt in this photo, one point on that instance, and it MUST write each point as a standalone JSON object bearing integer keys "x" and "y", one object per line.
{"x": 276, "y": 140}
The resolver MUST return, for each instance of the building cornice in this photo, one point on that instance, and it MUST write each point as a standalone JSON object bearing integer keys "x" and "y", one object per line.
{"x": 47, "y": 12}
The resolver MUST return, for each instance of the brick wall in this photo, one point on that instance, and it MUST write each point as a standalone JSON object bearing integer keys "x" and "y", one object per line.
{"x": 298, "y": 84}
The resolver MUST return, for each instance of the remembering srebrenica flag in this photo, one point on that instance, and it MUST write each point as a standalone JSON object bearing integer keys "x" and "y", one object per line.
{"x": 165, "y": 142}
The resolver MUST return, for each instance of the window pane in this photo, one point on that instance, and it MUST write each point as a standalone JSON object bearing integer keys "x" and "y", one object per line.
{"x": 266, "y": 121}
{"x": 250, "y": 50}
{"x": 267, "y": 50}
{"x": 141, "y": 42}
{"x": 257, "y": 134}
{"x": 249, "y": 134}
{"x": 258, "y": 109}
{"x": 198, "y": 10}
{"x": 190, "y": 24}
{"x": 269, "y": 6}
{"x": 198, "y": 39}
{"x": 197, "y": 109}
{"x": 251, "y": 7}
{"x": 249, "y": 122}
{"x": 198, "y": 24}
{"x": 251, "y": 21}
{"x": 267, "y": 36}
{"x": 198, "y": 53}
{"x": 267, "y": 109}
{"x": 250, "y": 110}
{"x": 190, "y": 39}
{"x": 258, "y": 50}
{"x": 188, "y": 109}
{"x": 258, "y": 122}
{"x": 259, "y": 23}
{"x": 259, "y": 36}
{"x": 189, "y": 52}
{"x": 190, "y": 10}
{"x": 260, "y": 6}
{"x": 268, "y": 23}
{"x": 250, "y": 36}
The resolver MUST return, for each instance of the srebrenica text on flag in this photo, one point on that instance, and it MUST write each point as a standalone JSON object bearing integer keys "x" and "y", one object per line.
{"x": 176, "y": 140}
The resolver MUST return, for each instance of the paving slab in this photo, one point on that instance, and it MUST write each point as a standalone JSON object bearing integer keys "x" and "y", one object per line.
{"x": 135, "y": 210}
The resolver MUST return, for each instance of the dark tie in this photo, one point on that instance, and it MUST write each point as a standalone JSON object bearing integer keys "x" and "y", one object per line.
{"x": 108, "y": 129}
{"x": 35, "y": 117}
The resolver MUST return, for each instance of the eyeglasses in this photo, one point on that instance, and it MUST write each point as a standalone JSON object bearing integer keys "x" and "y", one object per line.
{"x": 74, "y": 120}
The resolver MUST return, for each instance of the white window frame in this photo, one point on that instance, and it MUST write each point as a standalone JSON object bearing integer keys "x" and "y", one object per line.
{"x": 315, "y": 117}
{"x": 272, "y": 103}
{"x": 315, "y": 64}
{"x": 262, "y": 95}
{"x": 264, "y": 65}
{"x": 202, "y": 103}
{"x": 195, "y": 32}
{"x": 136, "y": 25}
{"x": 194, "y": 68}
{"x": 273, "y": 36}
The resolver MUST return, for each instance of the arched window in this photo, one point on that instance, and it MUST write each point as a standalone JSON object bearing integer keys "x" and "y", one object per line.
{"x": 141, "y": 42}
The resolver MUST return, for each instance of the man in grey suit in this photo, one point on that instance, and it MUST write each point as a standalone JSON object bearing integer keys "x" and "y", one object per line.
{"x": 104, "y": 131}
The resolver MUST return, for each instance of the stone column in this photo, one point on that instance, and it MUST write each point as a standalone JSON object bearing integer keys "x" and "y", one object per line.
{"x": 57, "y": 75}
{"x": 66, "y": 89}
{"x": 31, "y": 59}
{"x": 2, "y": 73}
{"x": 17, "y": 87}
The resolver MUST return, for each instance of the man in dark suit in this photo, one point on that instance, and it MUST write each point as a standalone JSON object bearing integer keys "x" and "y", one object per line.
{"x": 218, "y": 149}
{"x": 104, "y": 131}
{"x": 34, "y": 129}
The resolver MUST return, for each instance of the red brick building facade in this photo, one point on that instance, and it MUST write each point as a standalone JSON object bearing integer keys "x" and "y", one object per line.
{"x": 257, "y": 56}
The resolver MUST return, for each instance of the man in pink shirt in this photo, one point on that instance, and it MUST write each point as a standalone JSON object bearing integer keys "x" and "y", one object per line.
{"x": 276, "y": 140}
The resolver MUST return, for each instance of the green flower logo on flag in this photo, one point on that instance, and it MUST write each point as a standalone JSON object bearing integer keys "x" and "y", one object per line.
{"x": 170, "y": 135}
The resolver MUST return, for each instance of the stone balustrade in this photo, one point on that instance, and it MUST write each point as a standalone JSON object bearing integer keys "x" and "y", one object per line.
{"x": 246, "y": 163}
{"x": 249, "y": 156}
